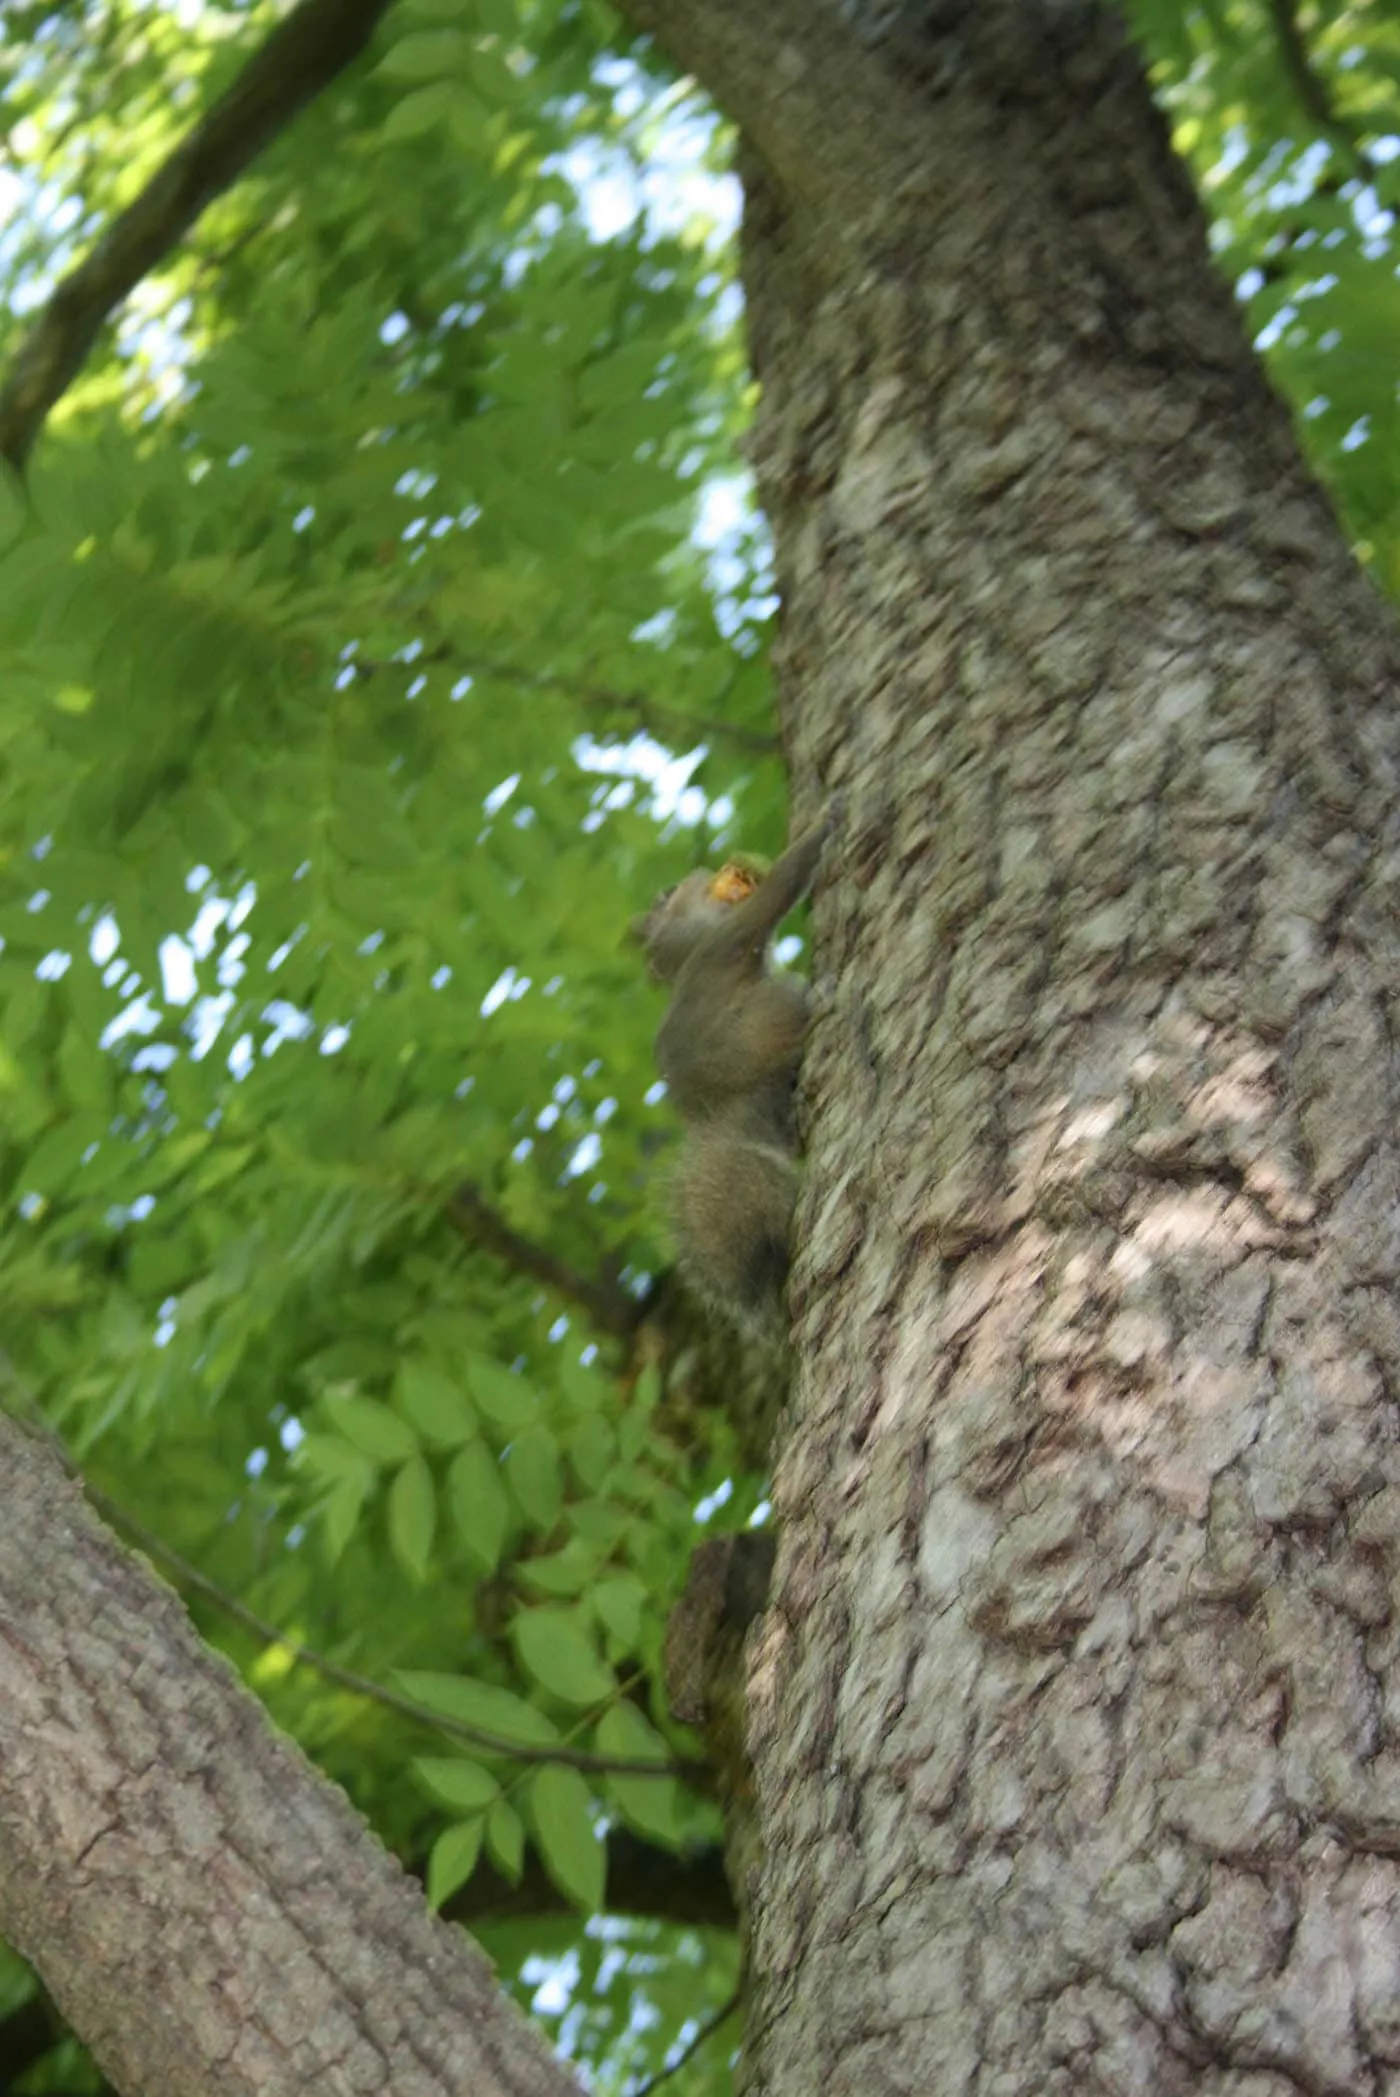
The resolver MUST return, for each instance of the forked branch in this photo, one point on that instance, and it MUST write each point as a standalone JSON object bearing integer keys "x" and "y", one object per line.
{"x": 303, "y": 54}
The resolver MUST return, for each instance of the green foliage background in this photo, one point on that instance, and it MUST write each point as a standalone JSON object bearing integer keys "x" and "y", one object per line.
{"x": 356, "y": 638}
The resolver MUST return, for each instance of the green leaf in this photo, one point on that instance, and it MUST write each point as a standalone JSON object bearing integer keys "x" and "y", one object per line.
{"x": 86, "y": 1071}
{"x": 223, "y": 1164}
{"x": 635, "y": 1433}
{"x": 585, "y": 1389}
{"x": 418, "y": 112}
{"x": 646, "y": 1393}
{"x": 329, "y": 1458}
{"x": 453, "y": 1860}
{"x": 561, "y": 1814}
{"x": 426, "y": 55}
{"x": 592, "y": 1446}
{"x": 646, "y": 1803}
{"x": 370, "y": 828}
{"x": 14, "y": 506}
{"x": 618, "y": 1601}
{"x": 26, "y": 931}
{"x": 476, "y": 1495}
{"x": 480, "y": 1704}
{"x": 465, "y": 1787}
{"x": 505, "y": 1840}
{"x": 413, "y": 1517}
{"x": 24, "y": 1011}
{"x": 600, "y": 1521}
{"x": 344, "y": 1362}
{"x": 554, "y": 1647}
{"x": 566, "y": 1572}
{"x": 435, "y": 1405}
{"x": 58, "y": 1156}
{"x": 340, "y": 1514}
{"x": 536, "y": 1476}
{"x": 371, "y": 1427}
{"x": 504, "y": 1398}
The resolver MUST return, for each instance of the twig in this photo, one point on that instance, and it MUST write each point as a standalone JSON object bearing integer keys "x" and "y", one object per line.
{"x": 306, "y": 1656}
{"x": 608, "y": 1305}
{"x": 363, "y": 1685}
{"x": 221, "y": 257}
{"x": 663, "y": 720}
{"x": 647, "y": 711}
{"x": 303, "y": 55}
{"x": 707, "y": 2031}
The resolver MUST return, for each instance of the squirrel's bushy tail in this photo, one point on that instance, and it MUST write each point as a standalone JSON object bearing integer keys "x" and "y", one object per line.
{"x": 733, "y": 1204}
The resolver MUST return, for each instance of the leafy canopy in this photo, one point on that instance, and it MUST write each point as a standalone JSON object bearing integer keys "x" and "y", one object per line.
{"x": 365, "y": 666}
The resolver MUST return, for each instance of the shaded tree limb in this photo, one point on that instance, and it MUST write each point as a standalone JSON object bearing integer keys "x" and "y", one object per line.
{"x": 360, "y": 1685}
{"x": 778, "y": 70}
{"x": 303, "y": 55}
{"x": 1310, "y": 88}
{"x": 642, "y": 1880}
{"x": 607, "y": 1303}
{"x": 145, "y": 1791}
{"x": 659, "y": 719}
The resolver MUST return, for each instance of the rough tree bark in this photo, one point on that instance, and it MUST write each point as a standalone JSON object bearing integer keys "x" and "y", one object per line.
{"x": 1075, "y": 1716}
{"x": 206, "y": 1911}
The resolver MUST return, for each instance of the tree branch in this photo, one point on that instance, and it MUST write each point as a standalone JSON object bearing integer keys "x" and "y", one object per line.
{"x": 661, "y": 720}
{"x": 144, "y": 1792}
{"x": 344, "y": 1677}
{"x": 303, "y": 55}
{"x": 641, "y": 1880}
{"x": 607, "y": 1304}
{"x": 810, "y": 102}
{"x": 1310, "y": 88}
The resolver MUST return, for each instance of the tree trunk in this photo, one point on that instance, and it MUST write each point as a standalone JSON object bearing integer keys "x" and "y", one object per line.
{"x": 1075, "y": 1715}
{"x": 207, "y": 1911}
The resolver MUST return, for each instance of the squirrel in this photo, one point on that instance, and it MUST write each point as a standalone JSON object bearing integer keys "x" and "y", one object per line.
{"x": 728, "y": 1049}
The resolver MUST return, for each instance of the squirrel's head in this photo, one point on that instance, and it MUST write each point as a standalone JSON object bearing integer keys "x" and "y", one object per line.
{"x": 682, "y": 915}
